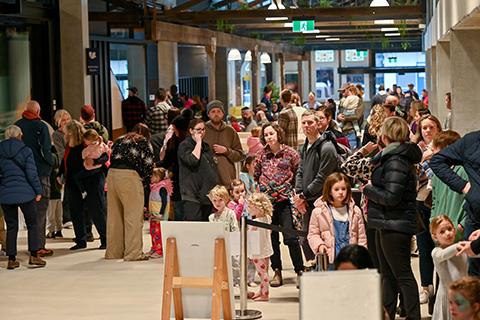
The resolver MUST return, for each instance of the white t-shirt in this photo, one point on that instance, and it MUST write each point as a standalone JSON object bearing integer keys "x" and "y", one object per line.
{"x": 340, "y": 214}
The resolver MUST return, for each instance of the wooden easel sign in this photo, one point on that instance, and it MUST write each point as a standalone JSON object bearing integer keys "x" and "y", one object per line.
{"x": 197, "y": 281}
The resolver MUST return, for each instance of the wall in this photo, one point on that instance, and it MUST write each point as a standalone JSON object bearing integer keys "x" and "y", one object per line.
{"x": 192, "y": 61}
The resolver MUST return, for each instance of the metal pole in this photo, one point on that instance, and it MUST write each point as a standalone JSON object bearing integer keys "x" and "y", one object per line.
{"x": 244, "y": 313}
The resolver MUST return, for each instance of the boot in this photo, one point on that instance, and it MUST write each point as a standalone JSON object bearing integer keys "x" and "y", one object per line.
{"x": 13, "y": 264}
{"x": 277, "y": 280}
{"x": 37, "y": 261}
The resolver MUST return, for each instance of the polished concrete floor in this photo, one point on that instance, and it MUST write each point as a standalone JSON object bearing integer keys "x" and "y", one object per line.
{"x": 82, "y": 285}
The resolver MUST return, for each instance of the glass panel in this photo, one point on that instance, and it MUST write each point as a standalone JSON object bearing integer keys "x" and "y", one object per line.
{"x": 400, "y": 59}
{"x": 401, "y": 80}
{"x": 324, "y": 83}
{"x": 127, "y": 63}
{"x": 356, "y": 55}
{"x": 324, "y": 55}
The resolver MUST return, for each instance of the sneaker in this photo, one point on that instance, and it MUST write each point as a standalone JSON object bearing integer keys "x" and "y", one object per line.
{"x": 90, "y": 238}
{"x": 252, "y": 284}
{"x": 426, "y": 294}
{"x": 143, "y": 257}
{"x": 155, "y": 255}
{"x": 84, "y": 194}
{"x": 45, "y": 252}
{"x": 37, "y": 261}
{"x": 50, "y": 235}
{"x": 58, "y": 234}
{"x": 13, "y": 264}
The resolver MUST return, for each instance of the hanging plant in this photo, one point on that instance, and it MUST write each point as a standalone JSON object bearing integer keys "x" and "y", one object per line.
{"x": 323, "y": 4}
{"x": 385, "y": 43}
{"x": 402, "y": 28}
{"x": 299, "y": 41}
{"x": 275, "y": 92}
{"x": 244, "y": 6}
{"x": 405, "y": 45}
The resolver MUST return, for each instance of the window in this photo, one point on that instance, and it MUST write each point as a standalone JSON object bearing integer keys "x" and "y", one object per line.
{"x": 324, "y": 56}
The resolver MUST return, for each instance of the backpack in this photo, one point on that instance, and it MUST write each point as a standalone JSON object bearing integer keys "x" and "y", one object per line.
{"x": 343, "y": 152}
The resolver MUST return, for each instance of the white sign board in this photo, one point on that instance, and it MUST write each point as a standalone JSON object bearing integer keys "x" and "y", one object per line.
{"x": 352, "y": 294}
{"x": 196, "y": 252}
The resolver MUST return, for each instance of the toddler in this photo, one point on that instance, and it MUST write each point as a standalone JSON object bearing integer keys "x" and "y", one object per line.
{"x": 95, "y": 148}
{"x": 246, "y": 175}
{"x": 336, "y": 221}
{"x": 449, "y": 266}
{"x": 261, "y": 210}
{"x": 238, "y": 197}
{"x": 161, "y": 188}
{"x": 253, "y": 142}
{"x": 464, "y": 298}
{"x": 350, "y": 106}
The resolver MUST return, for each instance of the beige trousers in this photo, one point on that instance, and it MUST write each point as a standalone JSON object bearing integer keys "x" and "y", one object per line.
{"x": 125, "y": 215}
{"x": 54, "y": 215}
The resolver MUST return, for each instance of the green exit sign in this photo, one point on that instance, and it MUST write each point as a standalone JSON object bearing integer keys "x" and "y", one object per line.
{"x": 303, "y": 25}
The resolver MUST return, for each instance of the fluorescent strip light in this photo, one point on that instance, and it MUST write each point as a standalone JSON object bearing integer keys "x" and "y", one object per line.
{"x": 322, "y": 36}
{"x": 332, "y": 39}
{"x": 389, "y": 29}
{"x": 288, "y": 24}
{"x": 396, "y": 34}
{"x": 312, "y": 31}
{"x": 383, "y": 22}
{"x": 276, "y": 18}
{"x": 421, "y": 26}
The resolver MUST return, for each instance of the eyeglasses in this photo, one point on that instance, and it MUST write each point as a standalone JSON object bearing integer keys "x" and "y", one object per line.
{"x": 322, "y": 118}
{"x": 199, "y": 129}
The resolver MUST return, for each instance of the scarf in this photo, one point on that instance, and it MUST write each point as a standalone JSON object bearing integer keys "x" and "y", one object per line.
{"x": 166, "y": 183}
{"x": 30, "y": 115}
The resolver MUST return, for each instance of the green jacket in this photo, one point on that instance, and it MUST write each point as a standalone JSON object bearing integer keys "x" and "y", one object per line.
{"x": 448, "y": 202}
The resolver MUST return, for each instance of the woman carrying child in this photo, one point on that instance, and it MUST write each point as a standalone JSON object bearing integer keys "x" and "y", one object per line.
{"x": 336, "y": 221}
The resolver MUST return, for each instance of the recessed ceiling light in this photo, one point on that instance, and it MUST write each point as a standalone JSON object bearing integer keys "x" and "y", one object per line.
{"x": 389, "y": 29}
{"x": 396, "y": 34}
{"x": 332, "y": 39}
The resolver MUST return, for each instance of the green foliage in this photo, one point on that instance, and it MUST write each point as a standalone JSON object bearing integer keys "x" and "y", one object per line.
{"x": 404, "y": 2}
{"x": 224, "y": 26}
{"x": 405, "y": 45}
{"x": 255, "y": 35}
{"x": 323, "y": 4}
{"x": 299, "y": 41}
{"x": 385, "y": 43}
{"x": 402, "y": 28}
{"x": 303, "y": 3}
{"x": 275, "y": 96}
{"x": 244, "y": 6}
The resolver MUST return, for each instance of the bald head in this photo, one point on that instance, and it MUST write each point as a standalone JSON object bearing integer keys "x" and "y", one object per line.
{"x": 393, "y": 100}
{"x": 33, "y": 107}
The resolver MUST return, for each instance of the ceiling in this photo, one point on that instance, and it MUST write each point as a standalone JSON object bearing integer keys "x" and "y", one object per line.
{"x": 352, "y": 22}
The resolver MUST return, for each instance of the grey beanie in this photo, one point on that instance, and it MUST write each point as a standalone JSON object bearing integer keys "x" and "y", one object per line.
{"x": 215, "y": 104}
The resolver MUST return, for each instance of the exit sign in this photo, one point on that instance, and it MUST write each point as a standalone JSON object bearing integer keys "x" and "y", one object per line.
{"x": 303, "y": 25}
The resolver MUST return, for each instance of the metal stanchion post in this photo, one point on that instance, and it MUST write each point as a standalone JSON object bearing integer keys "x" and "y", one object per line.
{"x": 244, "y": 313}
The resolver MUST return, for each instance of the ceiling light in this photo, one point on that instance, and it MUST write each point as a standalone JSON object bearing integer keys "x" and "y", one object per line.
{"x": 322, "y": 36}
{"x": 312, "y": 31}
{"x": 288, "y": 24}
{"x": 276, "y": 18}
{"x": 273, "y": 6}
{"x": 332, "y": 39}
{"x": 248, "y": 56}
{"x": 389, "y": 29}
{"x": 265, "y": 58}
{"x": 383, "y": 22}
{"x": 234, "y": 55}
{"x": 379, "y": 3}
{"x": 396, "y": 34}
{"x": 421, "y": 26}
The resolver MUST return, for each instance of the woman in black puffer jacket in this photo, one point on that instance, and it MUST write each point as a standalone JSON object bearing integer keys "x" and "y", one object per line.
{"x": 392, "y": 212}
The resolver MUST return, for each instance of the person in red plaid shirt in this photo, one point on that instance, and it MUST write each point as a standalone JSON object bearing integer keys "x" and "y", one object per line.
{"x": 133, "y": 109}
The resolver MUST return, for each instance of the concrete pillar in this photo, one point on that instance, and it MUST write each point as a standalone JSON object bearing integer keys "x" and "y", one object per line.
{"x": 311, "y": 72}
{"x": 443, "y": 79}
{"x": 465, "y": 74}
{"x": 276, "y": 69}
{"x": 137, "y": 71}
{"x": 221, "y": 83}
{"x": 211, "y": 64}
{"x": 428, "y": 70}
{"x": 18, "y": 48}
{"x": 167, "y": 53}
{"x": 74, "y": 40}
{"x": 255, "y": 96}
{"x": 432, "y": 93}
{"x": 300, "y": 78}
{"x": 282, "y": 71}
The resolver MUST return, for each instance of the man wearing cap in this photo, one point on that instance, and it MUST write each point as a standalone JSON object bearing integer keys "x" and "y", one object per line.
{"x": 36, "y": 137}
{"x": 224, "y": 141}
{"x": 87, "y": 118}
{"x": 247, "y": 123}
{"x": 133, "y": 109}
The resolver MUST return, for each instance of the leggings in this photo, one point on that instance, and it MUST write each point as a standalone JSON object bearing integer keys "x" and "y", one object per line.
{"x": 156, "y": 233}
{"x": 262, "y": 268}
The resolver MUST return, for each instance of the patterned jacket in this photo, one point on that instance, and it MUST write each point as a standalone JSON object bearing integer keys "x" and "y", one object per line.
{"x": 276, "y": 173}
{"x": 288, "y": 121}
{"x": 156, "y": 117}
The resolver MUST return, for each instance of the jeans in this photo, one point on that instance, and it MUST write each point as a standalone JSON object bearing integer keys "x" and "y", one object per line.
{"x": 194, "y": 211}
{"x": 282, "y": 216}
{"x": 352, "y": 140}
{"x": 393, "y": 249}
{"x": 307, "y": 251}
{"x": 42, "y": 207}
{"x": 29, "y": 210}
{"x": 425, "y": 246}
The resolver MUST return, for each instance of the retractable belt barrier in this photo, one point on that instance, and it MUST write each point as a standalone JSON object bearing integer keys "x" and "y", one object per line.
{"x": 276, "y": 228}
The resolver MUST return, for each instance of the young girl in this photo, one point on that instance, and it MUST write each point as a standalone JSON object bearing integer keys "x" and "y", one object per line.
{"x": 336, "y": 221}
{"x": 261, "y": 210}
{"x": 219, "y": 198}
{"x": 253, "y": 142}
{"x": 246, "y": 176}
{"x": 238, "y": 197}
{"x": 449, "y": 266}
{"x": 161, "y": 188}
{"x": 95, "y": 148}
{"x": 464, "y": 297}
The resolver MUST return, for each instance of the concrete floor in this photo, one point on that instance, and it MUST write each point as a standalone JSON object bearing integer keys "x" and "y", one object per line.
{"x": 82, "y": 285}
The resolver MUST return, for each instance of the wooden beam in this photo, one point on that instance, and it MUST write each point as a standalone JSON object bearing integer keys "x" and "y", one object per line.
{"x": 185, "y": 6}
{"x": 322, "y": 14}
{"x": 191, "y": 35}
{"x": 330, "y": 24}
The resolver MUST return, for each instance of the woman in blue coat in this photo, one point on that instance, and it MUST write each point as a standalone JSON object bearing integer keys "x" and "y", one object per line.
{"x": 19, "y": 187}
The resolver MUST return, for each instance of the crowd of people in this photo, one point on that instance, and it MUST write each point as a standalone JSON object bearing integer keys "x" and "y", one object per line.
{"x": 417, "y": 178}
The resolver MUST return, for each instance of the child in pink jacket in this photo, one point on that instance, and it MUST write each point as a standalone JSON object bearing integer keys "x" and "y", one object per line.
{"x": 253, "y": 142}
{"x": 336, "y": 221}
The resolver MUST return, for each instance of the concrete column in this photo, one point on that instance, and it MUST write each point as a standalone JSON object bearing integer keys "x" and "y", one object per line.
{"x": 311, "y": 72}
{"x": 300, "y": 78}
{"x": 211, "y": 64}
{"x": 74, "y": 40}
{"x": 428, "y": 69}
{"x": 465, "y": 74}
{"x": 18, "y": 54}
{"x": 255, "y": 98}
{"x": 432, "y": 93}
{"x": 221, "y": 83}
{"x": 137, "y": 71}
{"x": 282, "y": 71}
{"x": 167, "y": 53}
{"x": 443, "y": 79}
{"x": 276, "y": 69}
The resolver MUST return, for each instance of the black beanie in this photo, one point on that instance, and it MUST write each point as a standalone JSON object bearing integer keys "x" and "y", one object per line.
{"x": 181, "y": 123}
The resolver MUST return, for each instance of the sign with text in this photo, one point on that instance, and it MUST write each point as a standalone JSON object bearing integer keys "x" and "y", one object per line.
{"x": 93, "y": 61}
{"x": 303, "y": 25}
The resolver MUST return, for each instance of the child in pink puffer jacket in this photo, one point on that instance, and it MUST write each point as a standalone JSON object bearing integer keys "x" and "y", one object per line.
{"x": 336, "y": 221}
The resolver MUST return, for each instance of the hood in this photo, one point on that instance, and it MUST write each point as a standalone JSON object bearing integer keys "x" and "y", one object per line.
{"x": 408, "y": 150}
{"x": 210, "y": 126}
{"x": 10, "y": 147}
{"x": 253, "y": 141}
